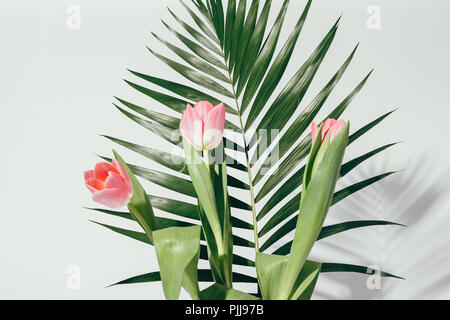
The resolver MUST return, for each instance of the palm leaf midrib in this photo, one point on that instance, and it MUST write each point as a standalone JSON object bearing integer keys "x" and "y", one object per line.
{"x": 235, "y": 97}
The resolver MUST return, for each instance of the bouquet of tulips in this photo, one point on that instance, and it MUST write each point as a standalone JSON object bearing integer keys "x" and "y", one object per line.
{"x": 236, "y": 36}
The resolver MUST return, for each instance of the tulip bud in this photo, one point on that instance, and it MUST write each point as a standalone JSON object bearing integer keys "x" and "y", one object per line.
{"x": 110, "y": 184}
{"x": 319, "y": 182}
{"x": 330, "y": 130}
{"x": 331, "y": 125}
{"x": 203, "y": 125}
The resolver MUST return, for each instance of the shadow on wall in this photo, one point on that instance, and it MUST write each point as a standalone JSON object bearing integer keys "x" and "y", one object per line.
{"x": 416, "y": 197}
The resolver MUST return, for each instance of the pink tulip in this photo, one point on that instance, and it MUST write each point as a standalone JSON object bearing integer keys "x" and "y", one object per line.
{"x": 110, "y": 184}
{"x": 203, "y": 125}
{"x": 331, "y": 125}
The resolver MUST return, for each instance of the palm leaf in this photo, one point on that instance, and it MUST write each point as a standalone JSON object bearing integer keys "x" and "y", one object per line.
{"x": 292, "y": 206}
{"x": 206, "y": 276}
{"x": 336, "y": 229}
{"x": 228, "y": 55}
{"x": 264, "y": 58}
{"x": 164, "y": 223}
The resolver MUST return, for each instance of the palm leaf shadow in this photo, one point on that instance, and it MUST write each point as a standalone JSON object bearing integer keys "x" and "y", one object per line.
{"x": 418, "y": 253}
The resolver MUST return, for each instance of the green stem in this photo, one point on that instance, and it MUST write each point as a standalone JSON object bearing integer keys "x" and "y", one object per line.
{"x": 249, "y": 169}
{"x": 225, "y": 272}
{"x": 206, "y": 159}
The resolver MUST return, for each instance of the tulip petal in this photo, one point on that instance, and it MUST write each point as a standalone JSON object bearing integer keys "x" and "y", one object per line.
{"x": 203, "y": 108}
{"x": 94, "y": 184}
{"x": 185, "y": 128}
{"x": 88, "y": 175}
{"x": 112, "y": 198}
{"x": 102, "y": 169}
{"x": 191, "y": 128}
{"x": 314, "y": 129}
{"x": 214, "y": 126}
{"x": 124, "y": 175}
{"x": 115, "y": 181}
{"x": 326, "y": 127}
{"x": 336, "y": 128}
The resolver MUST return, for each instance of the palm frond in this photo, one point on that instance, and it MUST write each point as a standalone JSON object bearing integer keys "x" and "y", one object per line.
{"x": 231, "y": 53}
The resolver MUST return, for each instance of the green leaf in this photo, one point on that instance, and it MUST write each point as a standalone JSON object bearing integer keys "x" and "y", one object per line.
{"x": 264, "y": 58}
{"x": 178, "y": 208}
{"x": 190, "y": 211}
{"x": 162, "y": 223}
{"x": 342, "y": 267}
{"x": 162, "y": 131}
{"x": 171, "y": 182}
{"x": 205, "y": 11}
{"x": 338, "y": 228}
{"x": 276, "y": 71}
{"x": 218, "y": 18}
{"x": 306, "y": 281}
{"x": 124, "y": 215}
{"x": 165, "y": 120}
{"x": 230, "y": 17}
{"x": 195, "y": 48}
{"x": 349, "y": 166}
{"x": 193, "y": 75}
{"x": 301, "y": 151}
{"x": 339, "y": 110}
{"x": 292, "y": 206}
{"x": 270, "y": 269}
{"x": 181, "y": 209}
{"x": 182, "y": 90}
{"x": 173, "y": 103}
{"x": 142, "y": 278}
{"x": 344, "y": 193}
{"x": 289, "y": 164}
{"x": 286, "y": 166}
{"x": 316, "y": 149}
{"x": 345, "y": 226}
{"x": 200, "y": 177}
{"x": 165, "y": 180}
{"x": 194, "y": 61}
{"x": 210, "y": 183}
{"x": 218, "y": 174}
{"x": 304, "y": 120}
{"x": 203, "y": 276}
{"x": 168, "y": 160}
{"x": 200, "y": 23}
{"x": 220, "y": 292}
{"x": 366, "y": 128}
{"x": 139, "y": 204}
{"x": 196, "y": 35}
{"x": 242, "y": 47}
{"x": 139, "y": 236}
{"x": 177, "y": 250}
{"x": 315, "y": 202}
{"x": 243, "y": 70}
{"x": 237, "y": 31}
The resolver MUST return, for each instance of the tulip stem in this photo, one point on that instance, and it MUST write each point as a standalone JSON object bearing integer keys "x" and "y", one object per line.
{"x": 249, "y": 169}
{"x": 206, "y": 159}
